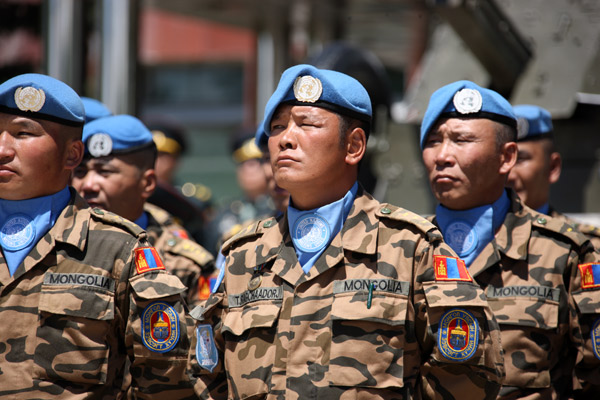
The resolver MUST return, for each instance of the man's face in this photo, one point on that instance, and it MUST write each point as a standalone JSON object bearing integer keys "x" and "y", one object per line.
{"x": 305, "y": 150}
{"x": 281, "y": 197}
{"x": 466, "y": 169}
{"x": 35, "y": 157}
{"x": 112, "y": 184}
{"x": 533, "y": 173}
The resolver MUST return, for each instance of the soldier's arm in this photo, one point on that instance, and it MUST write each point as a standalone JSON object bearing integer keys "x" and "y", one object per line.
{"x": 458, "y": 334}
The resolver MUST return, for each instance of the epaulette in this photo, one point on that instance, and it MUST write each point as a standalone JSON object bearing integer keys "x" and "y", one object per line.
{"x": 189, "y": 249}
{"x": 559, "y": 226}
{"x": 400, "y": 214}
{"x": 160, "y": 215}
{"x": 255, "y": 229}
{"x": 114, "y": 219}
{"x": 588, "y": 229}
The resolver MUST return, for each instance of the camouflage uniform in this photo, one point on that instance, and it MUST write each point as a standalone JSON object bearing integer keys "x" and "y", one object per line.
{"x": 591, "y": 231}
{"x": 525, "y": 272}
{"x": 184, "y": 258}
{"x": 322, "y": 335}
{"x": 75, "y": 307}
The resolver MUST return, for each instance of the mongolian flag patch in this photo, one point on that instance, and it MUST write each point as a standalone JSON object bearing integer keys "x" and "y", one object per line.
{"x": 450, "y": 269}
{"x": 590, "y": 275}
{"x": 147, "y": 259}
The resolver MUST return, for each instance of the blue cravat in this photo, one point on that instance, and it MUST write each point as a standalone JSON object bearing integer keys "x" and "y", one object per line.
{"x": 313, "y": 230}
{"x": 142, "y": 221}
{"x": 545, "y": 209}
{"x": 24, "y": 222}
{"x": 469, "y": 231}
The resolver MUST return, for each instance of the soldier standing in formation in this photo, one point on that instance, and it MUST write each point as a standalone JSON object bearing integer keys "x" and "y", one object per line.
{"x": 523, "y": 260}
{"x": 117, "y": 174}
{"x": 83, "y": 295}
{"x": 339, "y": 296}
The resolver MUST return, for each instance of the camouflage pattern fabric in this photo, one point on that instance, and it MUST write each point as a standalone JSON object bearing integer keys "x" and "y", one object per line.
{"x": 183, "y": 257}
{"x": 592, "y": 232}
{"x": 324, "y": 335}
{"x": 72, "y": 315}
{"x": 525, "y": 272}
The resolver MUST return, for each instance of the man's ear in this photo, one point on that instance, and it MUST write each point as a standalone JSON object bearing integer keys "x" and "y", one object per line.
{"x": 148, "y": 182}
{"x": 75, "y": 150}
{"x": 555, "y": 167}
{"x": 356, "y": 146}
{"x": 510, "y": 151}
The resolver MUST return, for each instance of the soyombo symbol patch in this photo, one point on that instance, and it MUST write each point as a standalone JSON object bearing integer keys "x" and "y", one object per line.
{"x": 206, "y": 351}
{"x": 458, "y": 336}
{"x": 450, "y": 269}
{"x": 590, "y": 275}
{"x": 146, "y": 259}
{"x": 160, "y": 327}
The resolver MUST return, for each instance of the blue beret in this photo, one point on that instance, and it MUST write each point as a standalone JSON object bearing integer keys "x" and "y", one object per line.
{"x": 533, "y": 122}
{"x": 310, "y": 86}
{"x": 94, "y": 109}
{"x": 466, "y": 99}
{"x": 115, "y": 134}
{"x": 41, "y": 97}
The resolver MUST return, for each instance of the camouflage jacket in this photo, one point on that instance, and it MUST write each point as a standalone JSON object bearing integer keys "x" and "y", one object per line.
{"x": 592, "y": 232}
{"x": 183, "y": 257}
{"x": 77, "y": 307}
{"x": 526, "y": 272}
{"x": 364, "y": 322}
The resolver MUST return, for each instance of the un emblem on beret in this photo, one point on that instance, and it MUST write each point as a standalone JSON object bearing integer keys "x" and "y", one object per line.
{"x": 467, "y": 101}
{"x": 99, "y": 145}
{"x": 307, "y": 89}
{"x": 522, "y": 128}
{"x": 30, "y": 98}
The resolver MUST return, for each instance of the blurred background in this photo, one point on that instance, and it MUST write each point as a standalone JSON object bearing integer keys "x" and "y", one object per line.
{"x": 211, "y": 65}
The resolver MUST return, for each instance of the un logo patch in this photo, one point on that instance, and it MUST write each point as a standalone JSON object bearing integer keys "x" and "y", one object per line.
{"x": 595, "y": 335}
{"x": 17, "y": 233}
{"x": 458, "y": 336}
{"x": 311, "y": 233}
{"x": 160, "y": 327}
{"x": 461, "y": 237}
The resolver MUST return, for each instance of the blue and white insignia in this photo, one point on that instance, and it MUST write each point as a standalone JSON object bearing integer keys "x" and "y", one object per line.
{"x": 29, "y": 98}
{"x": 461, "y": 237}
{"x": 311, "y": 233}
{"x": 307, "y": 89}
{"x": 206, "y": 351}
{"x": 17, "y": 232}
{"x": 100, "y": 145}
{"x": 595, "y": 335}
{"x": 160, "y": 327}
{"x": 467, "y": 101}
{"x": 458, "y": 335}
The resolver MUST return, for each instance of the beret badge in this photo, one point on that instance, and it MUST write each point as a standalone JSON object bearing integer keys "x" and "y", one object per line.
{"x": 30, "y": 98}
{"x": 522, "y": 127}
{"x": 100, "y": 145}
{"x": 307, "y": 89}
{"x": 467, "y": 101}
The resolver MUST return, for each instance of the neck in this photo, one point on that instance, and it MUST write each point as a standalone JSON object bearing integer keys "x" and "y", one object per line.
{"x": 307, "y": 199}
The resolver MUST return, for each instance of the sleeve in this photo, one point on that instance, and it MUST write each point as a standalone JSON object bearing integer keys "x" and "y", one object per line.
{"x": 158, "y": 327}
{"x": 455, "y": 327}
{"x": 585, "y": 291}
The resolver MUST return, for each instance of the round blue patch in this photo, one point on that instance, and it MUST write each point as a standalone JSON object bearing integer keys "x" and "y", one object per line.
{"x": 160, "y": 327}
{"x": 311, "y": 233}
{"x": 595, "y": 335}
{"x": 17, "y": 232}
{"x": 458, "y": 335}
{"x": 461, "y": 237}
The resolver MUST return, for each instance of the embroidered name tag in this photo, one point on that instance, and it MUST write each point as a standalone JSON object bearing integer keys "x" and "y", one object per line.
{"x": 379, "y": 285}
{"x": 540, "y": 292}
{"x": 91, "y": 280}
{"x": 249, "y": 296}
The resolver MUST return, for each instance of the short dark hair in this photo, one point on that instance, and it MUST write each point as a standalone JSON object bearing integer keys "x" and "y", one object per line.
{"x": 504, "y": 134}
{"x": 347, "y": 123}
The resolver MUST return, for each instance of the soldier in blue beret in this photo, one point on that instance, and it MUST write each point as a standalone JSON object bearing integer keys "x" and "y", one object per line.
{"x": 306, "y": 299}
{"x": 522, "y": 259}
{"x": 118, "y": 174}
{"x": 75, "y": 280}
{"x": 94, "y": 109}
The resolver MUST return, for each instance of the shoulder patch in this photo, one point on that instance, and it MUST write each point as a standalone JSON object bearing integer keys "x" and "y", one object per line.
{"x": 400, "y": 214}
{"x": 458, "y": 335}
{"x": 559, "y": 226}
{"x": 192, "y": 250}
{"x": 114, "y": 219}
{"x": 160, "y": 327}
{"x": 595, "y": 336}
{"x": 247, "y": 232}
{"x": 590, "y": 275}
{"x": 450, "y": 269}
{"x": 147, "y": 259}
{"x": 206, "y": 351}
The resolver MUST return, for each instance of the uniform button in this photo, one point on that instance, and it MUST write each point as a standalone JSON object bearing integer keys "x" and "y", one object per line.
{"x": 98, "y": 211}
{"x": 386, "y": 210}
{"x": 541, "y": 221}
{"x": 268, "y": 224}
{"x": 171, "y": 242}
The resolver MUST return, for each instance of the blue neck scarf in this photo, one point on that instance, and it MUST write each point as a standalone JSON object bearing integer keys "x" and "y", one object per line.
{"x": 142, "y": 221}
{"x": 313, "y": 230}
{"x": 467, "y": 232}
{"x": 545, "y": 209}
{"x": 24, "y": 222}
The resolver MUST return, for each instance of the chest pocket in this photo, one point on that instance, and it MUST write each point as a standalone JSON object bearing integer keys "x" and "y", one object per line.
{"x": 74, "y": 324}
{"x": 368, "y": 333}
{"x": 249, "y": 327}
{"x": 529, "y": 322}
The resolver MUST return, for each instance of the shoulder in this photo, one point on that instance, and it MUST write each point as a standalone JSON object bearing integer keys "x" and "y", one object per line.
{"x": 189, "y": 249}
{"x": 555, "y": 227}
{"x": 250, "y": 232}
{"x": 406, "y": 217}
{"x": 111, "y": 219}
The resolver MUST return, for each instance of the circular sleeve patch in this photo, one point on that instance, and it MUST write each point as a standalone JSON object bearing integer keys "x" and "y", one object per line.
{"x": 458, "y": 335}
{"x": 595, "y": 335}
{"x": 160, "y": 327}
